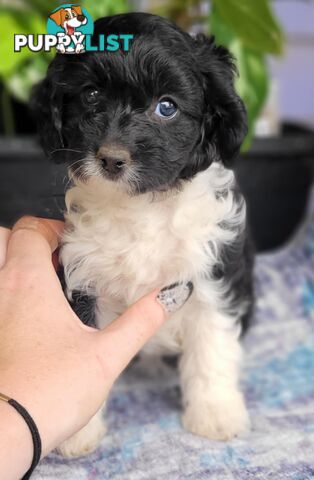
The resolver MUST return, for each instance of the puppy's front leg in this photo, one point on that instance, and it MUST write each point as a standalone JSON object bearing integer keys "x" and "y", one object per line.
{"x": 85, "y": 440}
{"x": 209, "y": 367}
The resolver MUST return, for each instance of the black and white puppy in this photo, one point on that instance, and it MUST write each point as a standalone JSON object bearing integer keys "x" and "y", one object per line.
{"x": 153, "y": 203}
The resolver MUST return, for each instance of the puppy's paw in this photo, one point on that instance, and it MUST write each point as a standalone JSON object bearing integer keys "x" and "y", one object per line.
{"x": 220, "y": 417}
{"x": 86, "y": 440}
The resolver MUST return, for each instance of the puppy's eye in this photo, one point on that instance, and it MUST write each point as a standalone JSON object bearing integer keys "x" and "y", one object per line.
{"x": 91, "y": 96}
{"x": 67, "y": 16}
{"x": 166, "y": 108}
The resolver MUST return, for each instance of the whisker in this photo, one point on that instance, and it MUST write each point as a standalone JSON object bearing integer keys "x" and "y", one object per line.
{"x": 77, "y": 161}
{"x": 132, "y": 179}
{"x": 65, "y": 150}
{"x": 79, "y": 172}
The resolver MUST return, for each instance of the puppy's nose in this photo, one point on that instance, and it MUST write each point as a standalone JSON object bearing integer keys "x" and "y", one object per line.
{"x": 113, "y": 159}
{"x": 112, "y": 165}
{"x": 81, "y": 18}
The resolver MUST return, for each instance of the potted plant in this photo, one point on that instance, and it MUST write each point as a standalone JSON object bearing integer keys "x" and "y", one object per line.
{"x": 274, "y": 172}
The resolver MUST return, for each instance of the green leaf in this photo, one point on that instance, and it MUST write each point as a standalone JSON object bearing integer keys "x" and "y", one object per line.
{"x": 13, "y": 22}
{"x": 253, "y": 80}
{"x": 43, "y": 7}
{"x": 20, "y": 83}
{"x": 252, "y": 84}
{"x": 253, "y": 22}
{"x": 102, "y": 8}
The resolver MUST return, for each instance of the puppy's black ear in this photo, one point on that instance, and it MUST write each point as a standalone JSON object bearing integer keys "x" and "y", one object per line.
{"x": 46, "y": 105}
{"x": 225, "y": 121}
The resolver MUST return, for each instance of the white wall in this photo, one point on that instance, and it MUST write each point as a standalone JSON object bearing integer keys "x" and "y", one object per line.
{"x": 295, "y": 71}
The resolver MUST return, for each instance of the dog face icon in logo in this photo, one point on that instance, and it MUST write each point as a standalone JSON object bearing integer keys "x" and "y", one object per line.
{"x": 71, "y": 19}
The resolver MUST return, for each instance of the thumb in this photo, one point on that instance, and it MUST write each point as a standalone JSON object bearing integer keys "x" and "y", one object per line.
{"x": 32, "y": 240}
{"x": 124, "y": 337}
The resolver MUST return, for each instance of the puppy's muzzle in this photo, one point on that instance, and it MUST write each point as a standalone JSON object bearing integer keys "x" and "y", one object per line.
{"x": 113, "y": 159}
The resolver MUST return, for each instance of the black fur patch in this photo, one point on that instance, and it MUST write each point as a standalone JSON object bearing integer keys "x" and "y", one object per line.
{"x": 235, "y": 270}
{"x": 83, "y": 305}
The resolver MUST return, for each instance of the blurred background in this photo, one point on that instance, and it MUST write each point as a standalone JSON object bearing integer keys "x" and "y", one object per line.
{"x": 273, "y": 43}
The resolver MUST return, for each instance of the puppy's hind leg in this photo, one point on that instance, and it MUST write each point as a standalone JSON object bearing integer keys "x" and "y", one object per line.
{"x": 85, "y": 440}
{"x": 209, "y": 368}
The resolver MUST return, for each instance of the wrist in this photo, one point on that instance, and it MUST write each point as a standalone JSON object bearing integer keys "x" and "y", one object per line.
{"x": 16, "y": 443}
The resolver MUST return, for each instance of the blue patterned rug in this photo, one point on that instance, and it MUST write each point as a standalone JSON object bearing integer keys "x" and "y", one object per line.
{"x": 146, "y": 440}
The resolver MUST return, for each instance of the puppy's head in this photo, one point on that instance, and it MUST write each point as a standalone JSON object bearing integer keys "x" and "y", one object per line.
{"x": 146, "y": 119}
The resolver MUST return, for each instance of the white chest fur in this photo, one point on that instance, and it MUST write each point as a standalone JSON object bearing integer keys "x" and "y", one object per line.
{"x": 119, "y": 247}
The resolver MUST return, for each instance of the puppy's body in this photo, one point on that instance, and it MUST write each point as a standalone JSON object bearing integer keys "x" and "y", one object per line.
{"x": 118, "y": 248}
{"x": 153, "y": 204}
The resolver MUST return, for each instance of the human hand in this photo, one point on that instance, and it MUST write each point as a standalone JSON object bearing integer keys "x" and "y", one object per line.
{"x": 59, "y": 369}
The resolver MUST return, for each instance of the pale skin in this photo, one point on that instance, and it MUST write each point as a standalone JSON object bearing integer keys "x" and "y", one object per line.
{"x": 59, "y": 369}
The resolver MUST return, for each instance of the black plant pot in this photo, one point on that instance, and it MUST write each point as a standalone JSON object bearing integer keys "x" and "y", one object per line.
{"x": 29, "y": 183}
{"x": 275, "y": 177}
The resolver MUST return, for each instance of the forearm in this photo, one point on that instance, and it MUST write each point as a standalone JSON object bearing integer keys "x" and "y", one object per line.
{"x": 16, "y": 444}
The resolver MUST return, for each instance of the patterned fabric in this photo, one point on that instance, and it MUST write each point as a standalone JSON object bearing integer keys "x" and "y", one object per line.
{"x": 146, "y": 440}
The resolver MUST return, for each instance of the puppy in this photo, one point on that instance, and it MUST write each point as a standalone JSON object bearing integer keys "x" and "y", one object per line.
{"x": 69, "y": 19}
{"x": 149, "y": 134}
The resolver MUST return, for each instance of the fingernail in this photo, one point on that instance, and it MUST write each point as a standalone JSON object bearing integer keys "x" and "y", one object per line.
{"x": 174, "y": 296}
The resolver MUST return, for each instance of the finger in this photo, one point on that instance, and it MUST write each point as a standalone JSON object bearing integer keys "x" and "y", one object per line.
{"x": 4, "y": 238}
{"x": 33, "y": 240}
{"x": 124, "y": 337}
